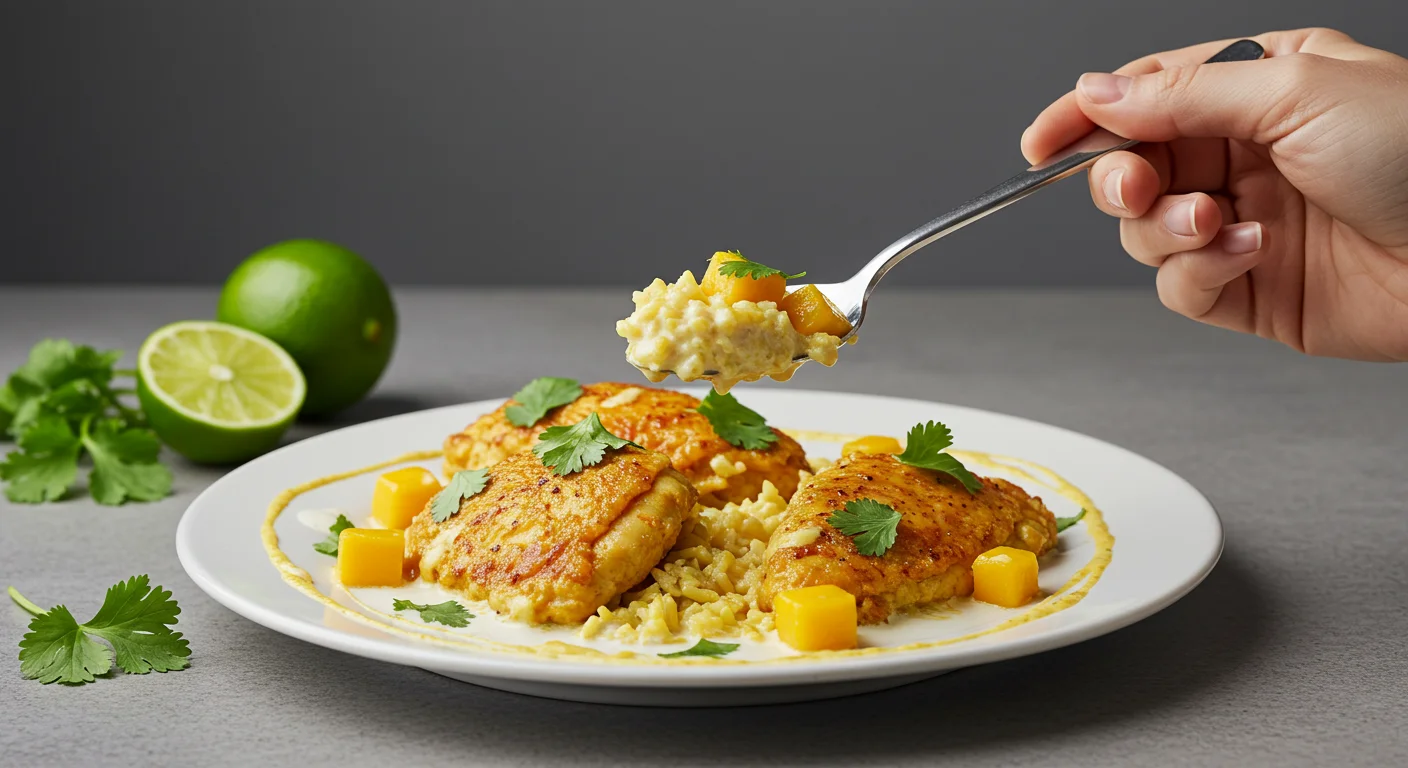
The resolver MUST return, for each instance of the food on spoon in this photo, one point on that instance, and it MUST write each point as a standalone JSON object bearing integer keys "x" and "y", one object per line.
{"x": 657, "y": 419}
{"x": 703, "y": 332}
{"x": 370, "y": 557}
{"x": 811, "y": 312}
{"x": 942, "y": 528}
{"x": 1005, "y": 576}
{"x": 820, "y": 618}
{"x": 401, "y": 494}
{"x": 548, "y": 548}
{"x": 742, "y": 284}
{"x": 872, "y": 444}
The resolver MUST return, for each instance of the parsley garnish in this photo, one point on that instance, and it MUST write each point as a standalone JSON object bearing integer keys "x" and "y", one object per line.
{"x": 737, "y": 424}
{"x": 1062, "y": 523}
{"x": 703, "y": 648}
{"x": 540, "y": 396}
{"x": 464, "y": 484}
{"x": 569, "y": 449}
{"x": 328, "y": 546}
{"x": 449, "y": 613}
{"x": 135, "y": 619}
{"x": 873, "y": 525}
{"x": 745, "y": 268}
{"x": 62, "y": 404}
{"x": 924, "y": 448}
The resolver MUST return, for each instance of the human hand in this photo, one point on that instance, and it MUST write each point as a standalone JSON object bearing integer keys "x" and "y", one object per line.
{"x": 1273, "y": 195}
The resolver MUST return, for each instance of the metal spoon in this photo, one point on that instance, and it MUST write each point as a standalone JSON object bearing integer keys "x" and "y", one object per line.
{"x": 852, "y": 296}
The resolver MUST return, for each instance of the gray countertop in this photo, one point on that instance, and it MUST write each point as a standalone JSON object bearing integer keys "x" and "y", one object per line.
{"x": 1293, "y": 651}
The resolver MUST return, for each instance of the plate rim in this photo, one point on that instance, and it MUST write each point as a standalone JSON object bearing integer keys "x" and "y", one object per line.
{"x": 585, "y": 672}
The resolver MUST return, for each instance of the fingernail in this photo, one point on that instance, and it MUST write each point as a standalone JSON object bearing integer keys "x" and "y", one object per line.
{"x": 1180, "y": 218}
{"x": 1103, "y": 88}
{"x": 1242, "y": 238}
{"x": 1114, "y": 188}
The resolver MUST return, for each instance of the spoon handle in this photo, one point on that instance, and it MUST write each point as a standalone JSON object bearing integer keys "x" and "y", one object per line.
{"x": 1066, "y": 162}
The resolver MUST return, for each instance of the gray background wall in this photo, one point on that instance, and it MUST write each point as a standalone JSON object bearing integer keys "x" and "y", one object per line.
{"x": 568, "y": 142}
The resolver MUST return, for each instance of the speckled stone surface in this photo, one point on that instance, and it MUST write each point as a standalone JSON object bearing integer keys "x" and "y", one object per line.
{"x": 1293, "y": 651}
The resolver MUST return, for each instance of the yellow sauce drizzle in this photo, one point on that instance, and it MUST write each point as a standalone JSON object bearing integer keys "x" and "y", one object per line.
{"x": 1072, "y": 592}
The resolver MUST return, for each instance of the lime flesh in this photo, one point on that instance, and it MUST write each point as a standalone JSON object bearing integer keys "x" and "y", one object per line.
{"x": 215, "y": 393}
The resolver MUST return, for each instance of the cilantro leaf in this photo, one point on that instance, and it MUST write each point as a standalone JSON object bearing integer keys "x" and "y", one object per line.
{"x": 1062, "y": 523}
{"x": 569, "y": 449}
{"x": 746, "y": 268}
{"x": 737, "y": 424}
{"x": 9, "y": 403}
{"x": 46, "y": 465}
{"x": 464, "y": 484}
{"x": 124, "y": 464}
{"x": 873, "y": 525}
{"x": 703, "y": 648}
{"x": 328, "y": 546}
{"x": 924, "y": 448}
{"x": 135, "y": 619}
{"x": 28, "y": 400}
{"x": 540, "y": 396}
{"x": 56, "y": 650}
{"x": 449, "y": 613}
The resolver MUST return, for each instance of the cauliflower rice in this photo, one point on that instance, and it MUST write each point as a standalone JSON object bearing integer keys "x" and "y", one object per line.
{"x": 707, "y": 586}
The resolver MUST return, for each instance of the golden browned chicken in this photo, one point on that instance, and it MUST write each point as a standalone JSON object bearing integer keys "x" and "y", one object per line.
{"x": 943, "y": 528}
{"x": 658, "y": 419}
{"x": 550, "y": 549}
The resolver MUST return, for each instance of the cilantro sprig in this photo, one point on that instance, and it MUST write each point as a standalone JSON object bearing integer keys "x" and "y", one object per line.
{"x": 703, "y": 648}
{"x": 464, "y": 484}
{"x": 135, "y": 620}
{"x": 924, "y": 448}
{"x": 569, "y": 449}
{"x": 329, "y": 545}
{"x": 743, "y": 267}
{"x": 61, "y": 405}
{"x": 538, "y": 397}
{"x": 1062, "y": 523}
{"x": 449, "y": 613}
{"x": 736, "y": 423}
{"x": 872, "y": 525}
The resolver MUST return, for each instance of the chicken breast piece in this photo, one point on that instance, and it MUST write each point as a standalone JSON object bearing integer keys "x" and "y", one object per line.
{"x": 658, "y": 419}
{"x": 942, "y": 530}
{"x": 550, "y": 549}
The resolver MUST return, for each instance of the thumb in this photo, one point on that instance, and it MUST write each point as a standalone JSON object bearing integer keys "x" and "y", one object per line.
{"x": 1260, "y": 101}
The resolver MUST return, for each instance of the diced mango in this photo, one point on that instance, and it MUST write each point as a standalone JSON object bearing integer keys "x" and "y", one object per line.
{"x": 872, "y": 444}
{"x": 1005, "y": 576}
{"x": 401, "y": 495}
{"x": 736, "y": 289}
{"x": 816, "y": 618}
{"x": 811, "y": 312}
{"x": 370, "y": 557}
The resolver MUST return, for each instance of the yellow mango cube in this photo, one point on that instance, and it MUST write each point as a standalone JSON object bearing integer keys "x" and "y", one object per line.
{"x": 816, "y": 618}
{"x": 811, "y": 312}
{"x": 401, "y": 495}
{"x": 370, "y": 557}
{"x": 736, "y": 289}
{"x": 872, "y": 444}
{"x": 1005, "y": 576}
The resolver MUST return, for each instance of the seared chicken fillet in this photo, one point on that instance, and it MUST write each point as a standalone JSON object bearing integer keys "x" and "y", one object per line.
{"x": 658, "y": 419}
{"x": 551, "y": 549}
{"x": 942, "y": 530}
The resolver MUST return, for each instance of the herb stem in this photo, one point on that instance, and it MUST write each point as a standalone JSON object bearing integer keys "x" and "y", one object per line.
{"x": 125, "y": 372}
{"x": 24, "y": 602}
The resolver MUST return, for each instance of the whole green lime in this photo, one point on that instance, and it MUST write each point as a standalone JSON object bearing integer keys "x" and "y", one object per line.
{"x": 326, "y": 306}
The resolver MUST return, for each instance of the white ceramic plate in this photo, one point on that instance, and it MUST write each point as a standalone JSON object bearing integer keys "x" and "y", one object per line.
{"x": 1167, "y": 539}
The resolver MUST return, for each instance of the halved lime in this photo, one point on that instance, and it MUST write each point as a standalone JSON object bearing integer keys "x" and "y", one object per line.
{"x": 217, "y": 393}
